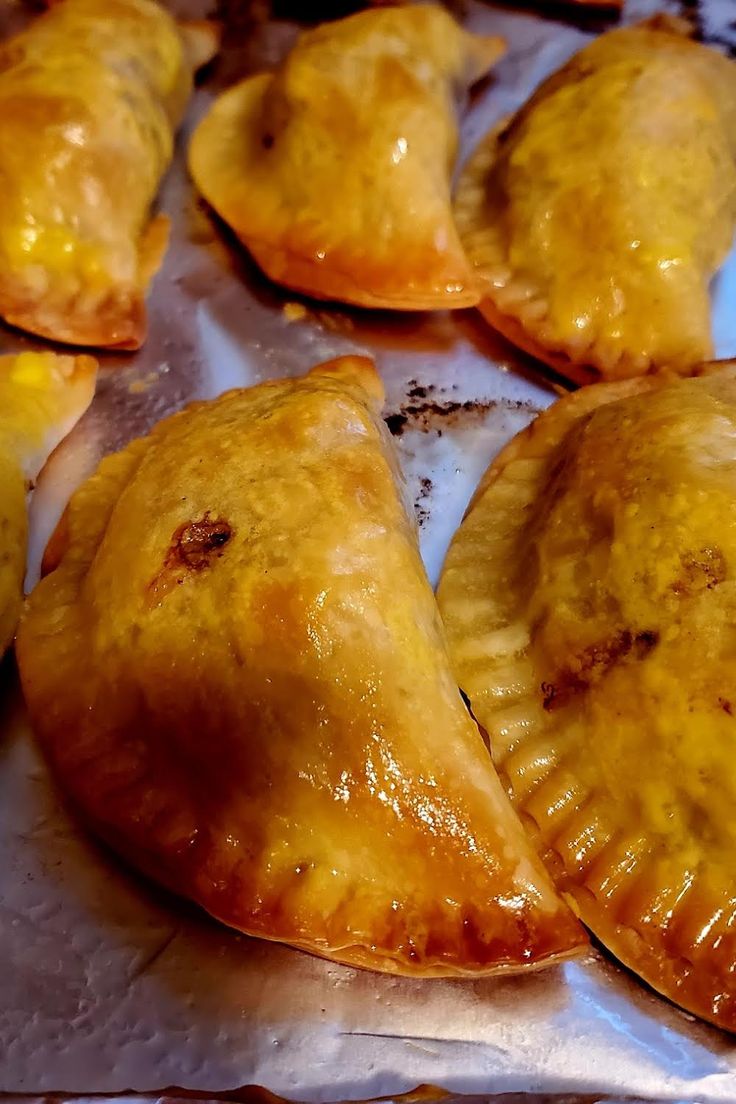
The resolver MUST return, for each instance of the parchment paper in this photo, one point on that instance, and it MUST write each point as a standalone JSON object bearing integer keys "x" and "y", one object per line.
{"x": 108, "y": 985}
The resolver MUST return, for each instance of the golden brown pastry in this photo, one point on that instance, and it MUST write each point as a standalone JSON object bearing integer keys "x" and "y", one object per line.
{"x": 590, "y": 601}
{"x": 41, "y": 398}
{"x": 335, "y": 170}
{"x": 266, "y": 720}
{"x": 90, "y": 96}
{"x": 598, "y": 216}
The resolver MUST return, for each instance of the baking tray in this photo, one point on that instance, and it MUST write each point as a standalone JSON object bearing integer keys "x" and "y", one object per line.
{"x": 108, "y": 985}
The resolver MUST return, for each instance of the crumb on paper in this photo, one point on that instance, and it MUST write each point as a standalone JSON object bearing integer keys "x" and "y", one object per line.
{"x": 396, "y": 423}
{"x": 144, "y": 384}
{"x": 294, "y": 312}
{"x": 424, "y": 416}
{"x": 421, "y": 511}
{"x": 338, "y": 323}
{"x": 425, "y": 411}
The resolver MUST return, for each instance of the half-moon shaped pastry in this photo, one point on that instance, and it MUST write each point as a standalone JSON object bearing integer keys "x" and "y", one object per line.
{"x": 267, "y": 721}
{"x": 598, "y": 216}
{"x": 334, "y": 170}
{"x": 90, "y": 96}
{"x": 590, "y": 602}
{"x": 41, "y": 398}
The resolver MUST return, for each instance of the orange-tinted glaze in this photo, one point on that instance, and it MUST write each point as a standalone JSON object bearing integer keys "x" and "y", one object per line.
{"x": 589, "y": 602}
{"x": 598, "y": 216}
{"x": 335, "y": 170}
{"x": 237, "y": 669}
{"x": 90, "y": 95}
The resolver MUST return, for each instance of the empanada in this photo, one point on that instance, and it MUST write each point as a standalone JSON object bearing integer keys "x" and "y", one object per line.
{"x": 598, "y": 216}
{"x": 237, "y": 669}
{"x": 41, "y": 397}
{"x": 335, "y": 170}
{"x": 590, "y": 603}
{"x": 90, "y": 96}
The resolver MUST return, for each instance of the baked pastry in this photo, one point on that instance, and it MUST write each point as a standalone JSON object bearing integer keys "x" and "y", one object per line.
{"x": 334, "y": 170}
{"x": 597, "y": 217}
{"x": 41, "y": 398}
{"x": 589, "y": 599}
{"x": 90, "y": 96}
{"x": 267, "y": 722}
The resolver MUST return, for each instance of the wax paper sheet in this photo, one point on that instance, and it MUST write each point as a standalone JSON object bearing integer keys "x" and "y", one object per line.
{"x": 107, "y": 984}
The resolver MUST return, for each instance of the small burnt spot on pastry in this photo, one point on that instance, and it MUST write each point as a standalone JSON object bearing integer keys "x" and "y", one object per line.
{"x": 593, "y": 663}
{"x": 194, "y": 546}
{"x": 702, "y": 570}
{"x": 196, "y": 542}
{"x": 267, "y": 141}
{"x": 549, "y": 694}
{"x": 726, "y": 706}
{"x": 644, "y": 642}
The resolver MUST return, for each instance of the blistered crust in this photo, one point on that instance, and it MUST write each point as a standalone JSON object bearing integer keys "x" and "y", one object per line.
{"x": 595, "y": 248}
{"x": 334, "y": 171}
{"x": 266, "y": 721}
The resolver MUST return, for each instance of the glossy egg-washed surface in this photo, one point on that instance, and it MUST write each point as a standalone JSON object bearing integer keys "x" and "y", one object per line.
{"x": 335, "y": 170}
{"x": 599, "y": 215}
{"x": 590, "y": 603}
{"x": 90, "y": 94}
{"x": 238, "y": 671}
{"x": 41, "y": 397}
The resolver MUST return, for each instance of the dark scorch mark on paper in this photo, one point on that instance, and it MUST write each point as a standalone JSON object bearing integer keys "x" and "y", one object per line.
{"x": 420, "y": 509}
{"x": 713, "y": 23}
{"x": 426, "y": 411}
